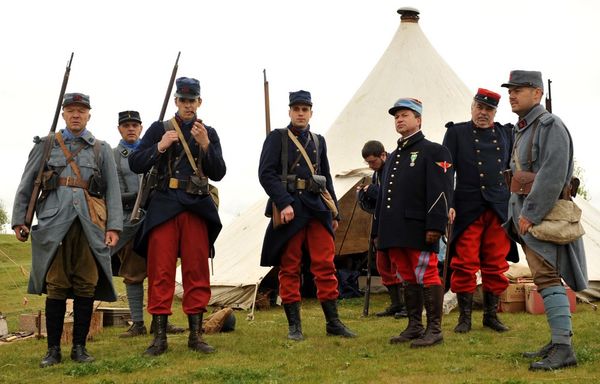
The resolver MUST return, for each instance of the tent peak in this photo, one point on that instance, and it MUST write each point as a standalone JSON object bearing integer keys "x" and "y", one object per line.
{"x": 409, "y": 14}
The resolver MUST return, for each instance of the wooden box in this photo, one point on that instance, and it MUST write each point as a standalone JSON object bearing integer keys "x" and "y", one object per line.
{"x": 113, "y": 316}
{"x": 28, "y": 322}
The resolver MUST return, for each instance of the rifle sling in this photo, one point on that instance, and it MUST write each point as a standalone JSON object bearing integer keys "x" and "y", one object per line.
{"x": 197, "y": 170}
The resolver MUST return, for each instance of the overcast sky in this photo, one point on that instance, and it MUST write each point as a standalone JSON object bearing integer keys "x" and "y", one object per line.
{"x": 124, "y": 53}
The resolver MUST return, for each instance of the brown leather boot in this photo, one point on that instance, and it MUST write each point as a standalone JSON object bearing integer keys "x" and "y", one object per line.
{"x": 413, "y": 297}
{"x": 465, "y": 305}
{"x": 434, "y": 301}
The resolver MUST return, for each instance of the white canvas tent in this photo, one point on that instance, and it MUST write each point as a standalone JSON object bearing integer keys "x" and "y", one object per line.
{"x": 409, "y": 67}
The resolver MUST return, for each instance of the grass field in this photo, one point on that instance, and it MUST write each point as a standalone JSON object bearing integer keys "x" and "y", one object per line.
{"x": 258, "y": 351}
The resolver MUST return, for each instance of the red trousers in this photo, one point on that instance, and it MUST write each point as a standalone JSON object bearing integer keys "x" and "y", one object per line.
{"x": 416, "y": 266}
{"x": 387, "y": 269}
{"x": 319, "y": 243}
{"x": 483, "y": 245}
{"x": 184, "y": 236}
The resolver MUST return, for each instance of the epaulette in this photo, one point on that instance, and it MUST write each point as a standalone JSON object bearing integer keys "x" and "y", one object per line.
{"x": 547, "y": 119}
{"x": 449, "y": 124}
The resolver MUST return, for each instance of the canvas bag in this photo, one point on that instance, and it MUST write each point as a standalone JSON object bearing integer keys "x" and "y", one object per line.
{"x": 96, "y": 205}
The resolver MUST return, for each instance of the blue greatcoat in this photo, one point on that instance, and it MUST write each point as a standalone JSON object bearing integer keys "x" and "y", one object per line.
{"x": 306, "y": 205}
{"x": 416, "y": 189}
{"x": 479, "y": 157}
{"x": 165, "y": 203}
{"x": 552, "y": 161}
{"x": 62, "y": 206}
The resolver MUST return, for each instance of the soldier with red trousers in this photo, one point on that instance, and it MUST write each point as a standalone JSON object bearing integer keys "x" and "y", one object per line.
{"x": 411, "y": 216}
{"x": 308, "y": 225}
{"x": 182, "y": 220}
{"x": 480, "y": 150}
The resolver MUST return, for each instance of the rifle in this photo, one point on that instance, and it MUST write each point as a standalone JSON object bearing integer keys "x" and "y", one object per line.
{"x": 365, "y": 312}
{"x": 35, "y": 194}
{"x": 267, "y": 108}
{"x": 549, "y": 97}
{"x": 148, "y": 181}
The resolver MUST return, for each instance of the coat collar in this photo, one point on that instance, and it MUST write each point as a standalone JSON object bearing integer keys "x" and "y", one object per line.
{"x": 531, "y": 116}
{"x": 86, "y": 136}
{"x": 409, "y": 141}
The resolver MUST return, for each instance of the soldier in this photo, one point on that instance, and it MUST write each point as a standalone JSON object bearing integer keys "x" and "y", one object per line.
{"x": 79, "y": 217}
{"x": 480, "y": 151}
{"x": 375, "y": 155}
{"x": 307, "y": 220}
{"x": 543, "y": 146}
{"x": 411, "y": 215}
{"x": 125, "y": 261}
{"x": 181, "y": 219}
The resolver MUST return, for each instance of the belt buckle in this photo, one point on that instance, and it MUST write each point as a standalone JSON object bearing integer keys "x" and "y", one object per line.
{"x": 301, "y": 184}
{"x": 173, "y": 183}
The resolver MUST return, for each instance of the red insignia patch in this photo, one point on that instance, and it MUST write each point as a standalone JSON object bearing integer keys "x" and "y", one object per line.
{"x": 445, "y": 165}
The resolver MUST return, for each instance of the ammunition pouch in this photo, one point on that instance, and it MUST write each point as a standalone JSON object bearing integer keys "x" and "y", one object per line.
{"x": 96, "y": 186}
{"x": 128, "y": 200}
{"x": 195, "y": 185}
{"x": 521, "y": 182}
{"x": 49, "y": 180}
{"x": 316, "y": 184}
{"x": 291, "y": 183}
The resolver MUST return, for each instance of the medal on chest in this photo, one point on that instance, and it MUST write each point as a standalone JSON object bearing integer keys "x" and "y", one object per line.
{"x": 413, "y": 158}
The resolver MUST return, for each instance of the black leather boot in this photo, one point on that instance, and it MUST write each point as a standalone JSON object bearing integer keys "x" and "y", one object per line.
{"x": 137, "y": 329}
{"x": 490, "y": 309}
{"x": 413, "y": 297}
{"x": 395, "y": 305}
{"x": 434, "y": 301}
{"x": 55, "y": 319}
{"x": 195, "y": 341}
{"x": 53, "y": 356}
{"x": 82, "y": 317}
{"x": 465, "y": 306}
{"x": 292, "y": 312}
{"x": 402, "y": 304}
{"x": 560, "y": 356}
{"x": 171, "y": 329}
{"x": 542, "y": 352}
{"x": 334, "y": 326}
{"x": 159, "y": 343}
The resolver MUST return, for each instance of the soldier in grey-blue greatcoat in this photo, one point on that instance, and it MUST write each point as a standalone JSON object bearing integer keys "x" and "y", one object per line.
{"x": 70, "y": 246}
{"x": 543, "y": 146}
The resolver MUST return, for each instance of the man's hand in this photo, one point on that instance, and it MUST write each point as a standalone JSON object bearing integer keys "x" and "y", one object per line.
{"x": 200, "y": 135}
{"x": 524, "y": 225}
{"x": 111, "y": 238}
{"x": 167, "y": 140}
{"x": 362, "y": 187}
{"x": 451, "y": 215}
{"x": 21, "y": 232}
{"x": 432, "y": 237}
{"x": 287, "y": 214}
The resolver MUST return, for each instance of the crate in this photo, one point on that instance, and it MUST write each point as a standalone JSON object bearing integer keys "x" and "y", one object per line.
{"x": 28, "y": 322}
{"x": 534, "y": 303}
{"x": 115, "y": 317}
{"x": 513, "y": 298}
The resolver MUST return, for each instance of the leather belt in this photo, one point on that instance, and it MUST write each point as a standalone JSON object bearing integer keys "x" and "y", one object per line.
{"x": 72, "y": 182}
{"x": 178, "y": 183}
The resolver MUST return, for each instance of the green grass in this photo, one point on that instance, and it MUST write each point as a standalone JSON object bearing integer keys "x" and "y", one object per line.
{"x": 258, "y": 351}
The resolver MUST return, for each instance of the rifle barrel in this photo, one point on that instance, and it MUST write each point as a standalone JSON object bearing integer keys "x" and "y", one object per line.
{"x": 267, "y": 103}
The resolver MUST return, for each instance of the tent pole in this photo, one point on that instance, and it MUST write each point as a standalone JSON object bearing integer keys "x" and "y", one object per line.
{"x": 250, "y": 316}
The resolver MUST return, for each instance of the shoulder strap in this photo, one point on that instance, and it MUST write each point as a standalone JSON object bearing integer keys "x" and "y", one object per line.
{"x": 316, "y": 141}
{"x": 69, "y": 156}
{"x": 302, "y": 151}
{"x": 197, "y": 170}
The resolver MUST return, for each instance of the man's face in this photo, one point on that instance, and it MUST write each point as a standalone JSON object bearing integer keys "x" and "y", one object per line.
{"x": 522, "y": 99}
{"x": 300, "y": 115}
{"x": 76, "y": 117}
{"x": 406, "y": 122}
{"x": 376, "y": 162}
{"x": 482, "y": 114}
{"x": 130, "y": 131}
{"x": 187, "y": 108}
